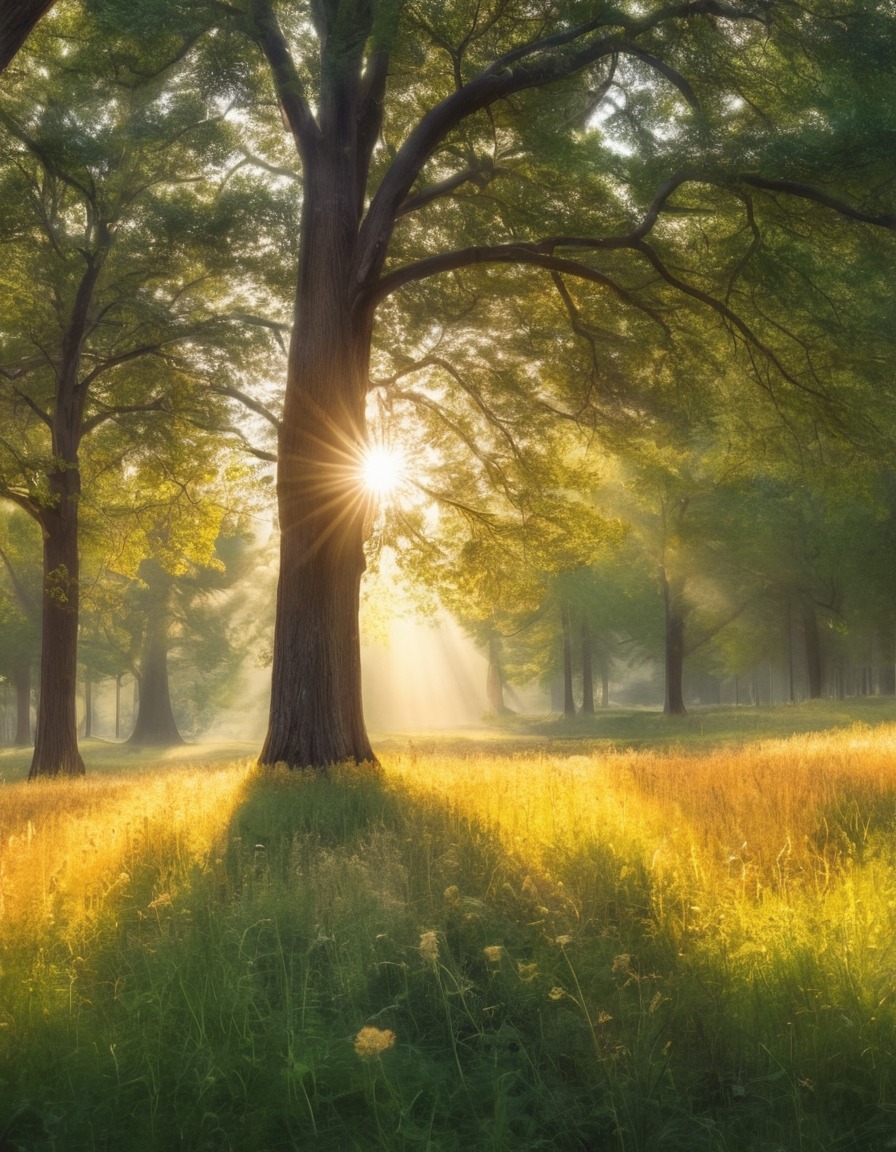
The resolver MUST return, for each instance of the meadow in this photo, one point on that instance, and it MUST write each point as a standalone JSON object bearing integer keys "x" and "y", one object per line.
{"x": 628, "y": 936}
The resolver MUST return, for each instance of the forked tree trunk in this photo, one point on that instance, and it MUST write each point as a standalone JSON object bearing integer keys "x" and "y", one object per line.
{"x": 56, "y": 735}
{"x": 22, "y": 679}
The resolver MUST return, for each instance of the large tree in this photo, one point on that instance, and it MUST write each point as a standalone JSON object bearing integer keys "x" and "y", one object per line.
{"x": 435, "y": 138}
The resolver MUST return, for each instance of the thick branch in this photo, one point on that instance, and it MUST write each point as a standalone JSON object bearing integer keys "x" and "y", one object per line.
{"x": 157, "y": 405}
{"x": 807, "y": 192}
{"x": 287, "y": 81}
{"x": 532, "y": 65}
{"x": 247, "y": 402}
{"x": 434, "y": 191}
{"x": 538, "y": 255}
{"x": 35, "y": 408}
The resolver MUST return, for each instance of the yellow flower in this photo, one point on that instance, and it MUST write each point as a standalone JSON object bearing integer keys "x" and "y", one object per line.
{"x": 563, "y": 940}
{"x": 556, "y": 993}
{"x": 372, "y": 1041}
{"x": 429, "y": 947}
{"x": 527, "y": 972}
{"x": 493, "y": 953}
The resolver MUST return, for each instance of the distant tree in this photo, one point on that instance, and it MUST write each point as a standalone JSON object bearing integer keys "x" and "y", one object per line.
{"x": 20, "y": 595}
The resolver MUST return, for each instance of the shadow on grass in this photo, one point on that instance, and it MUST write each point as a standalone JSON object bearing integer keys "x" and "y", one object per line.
{"x": 218, "y": 1003}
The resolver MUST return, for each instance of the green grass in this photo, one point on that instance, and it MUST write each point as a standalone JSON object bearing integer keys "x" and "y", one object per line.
{"x": 683, "y": 946}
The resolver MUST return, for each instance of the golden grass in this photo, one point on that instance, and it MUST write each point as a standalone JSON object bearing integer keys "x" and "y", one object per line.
{"x": 712, "y": 931}
{"x": 754, "y": 852}
{"x": 67, "y": 846}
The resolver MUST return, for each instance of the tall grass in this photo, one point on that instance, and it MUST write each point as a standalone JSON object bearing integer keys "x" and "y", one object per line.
{"x": 531, "y": 950}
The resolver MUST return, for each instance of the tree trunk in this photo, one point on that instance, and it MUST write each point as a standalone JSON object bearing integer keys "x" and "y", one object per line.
{"x": 604, "y": 665}
{"x": 674, "y": 620}
{"x": 155, "y": 725}
{"x": 813, "y": 652}
{"x": 587, "y": 672}
{"x": 569, "y": 704}
{"x": 17, "y": 18}
{"x": 495, "y": 677}
{"x": 56, "y": 735}
{"x": 22, "y": 679}
{"x": 316, "y": 716}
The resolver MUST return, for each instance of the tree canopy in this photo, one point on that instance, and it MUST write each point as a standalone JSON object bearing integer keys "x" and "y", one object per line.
{"x": 498, "y": 215}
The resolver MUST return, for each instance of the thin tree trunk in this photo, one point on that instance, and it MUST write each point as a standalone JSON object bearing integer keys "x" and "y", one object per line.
{"x": 814, "y": 666}
{"x": 587, "y": 672}
{"x": 495, "y": 677}
{"x": 569, "y": 704}
{"x": 118, "y": 706}
{"x": 604, "y": 665}
{"x": 674, "y": 620}
{"x": 22, "y": 680}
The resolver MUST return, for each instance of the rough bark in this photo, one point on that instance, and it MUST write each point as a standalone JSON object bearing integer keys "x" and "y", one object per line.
{"x": 22, "y": 680}
{"x": 17, "y": 19}
{"x": 674, "y": 621}
{"x": 587, "y": 671}
{"x": 316, "y": 716}
{"x": 56, "y": 735}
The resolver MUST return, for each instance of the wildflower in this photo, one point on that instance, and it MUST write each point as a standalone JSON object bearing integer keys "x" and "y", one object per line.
{"x": 372, "y": 1041}
{"x": 452, "y": 894}
{"x": 562, "y": 941}
{"x": 429, "y": 947}
{"x": 556, "y": 993}
{"x": 527, "y": 972}
{"x": 163, "y": 900}
{"x": 493, "y": 953}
